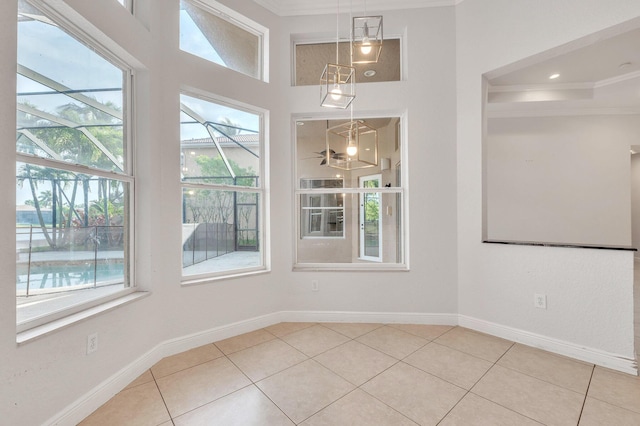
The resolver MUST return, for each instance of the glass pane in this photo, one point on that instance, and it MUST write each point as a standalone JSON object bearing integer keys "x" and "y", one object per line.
{"x": 215, "y": 39}
{"x": 313, "y": 169}
{"x": 69, "y": 98}
{"x": 309, "y": 68}
{"x": 371, "y": 225}
{"x": 220, "y": 231}
{"x": 70, "y": 235}
{"x": 219, "y": 144}
{"x": 322, "y": 215}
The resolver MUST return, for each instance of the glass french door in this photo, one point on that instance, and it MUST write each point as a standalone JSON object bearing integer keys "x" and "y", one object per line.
{"x": 370, "y": 218}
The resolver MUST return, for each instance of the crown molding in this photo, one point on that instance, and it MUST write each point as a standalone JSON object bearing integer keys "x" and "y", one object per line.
{"x": 566, "y": 86}
{"x": 312, "y": 7}
{"x": 616, "y": 80}
{"x": 540, "y": 87}
{"x": 560, "y": 112}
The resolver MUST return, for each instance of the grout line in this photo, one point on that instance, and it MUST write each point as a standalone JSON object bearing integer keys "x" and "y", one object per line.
{"x": 155, "y": 382}
{"x": 477, "y": 381}
{"x": 274, "y": 403}
{"x": 584, "y": 401}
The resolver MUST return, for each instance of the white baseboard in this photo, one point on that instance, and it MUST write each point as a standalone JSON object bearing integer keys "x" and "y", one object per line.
{"x": 560, "y": 347}
{"x": 92, "y": 400}
{"x": 370, "y": 317}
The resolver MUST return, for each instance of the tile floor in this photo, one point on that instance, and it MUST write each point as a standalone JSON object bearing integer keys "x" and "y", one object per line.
{"x": 372, "y": 374}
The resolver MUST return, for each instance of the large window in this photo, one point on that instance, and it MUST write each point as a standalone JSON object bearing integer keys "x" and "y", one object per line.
{"x": 349, "y": 218}
{"x": 222, "y": 189}
{"x": 222, "y": 36}
{"x": 74, "y": 179}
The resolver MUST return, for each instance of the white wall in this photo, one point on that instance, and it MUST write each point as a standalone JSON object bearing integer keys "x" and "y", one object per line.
{"x": 427, "y": 96}
{"x": 42, "y": 377}
{"x": 560, "y": 179}
{"x": 589, "y": 291}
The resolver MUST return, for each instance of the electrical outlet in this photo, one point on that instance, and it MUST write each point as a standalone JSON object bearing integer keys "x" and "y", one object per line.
{"x": 540, "y": 301}
{"x": 92, "y": 343}
{"x": 314, "y": 285}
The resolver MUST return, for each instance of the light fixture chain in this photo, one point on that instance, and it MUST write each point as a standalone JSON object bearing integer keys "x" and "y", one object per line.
{"x": 337, "y": 32}
{"x": 351, "y": 32}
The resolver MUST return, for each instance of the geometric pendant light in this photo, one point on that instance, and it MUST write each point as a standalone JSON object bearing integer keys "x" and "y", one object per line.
{"x": 337, "y": 86}
{"x": 337, "y": 82}
{"x": 366, "y": 39}
{"x": 352, "y": 145}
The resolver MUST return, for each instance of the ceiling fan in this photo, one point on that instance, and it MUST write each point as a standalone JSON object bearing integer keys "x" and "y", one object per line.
{"x": 334, "y": 155}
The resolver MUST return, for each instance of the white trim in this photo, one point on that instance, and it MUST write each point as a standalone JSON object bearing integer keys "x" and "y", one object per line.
{"x": 540, "y": 87}
{"x": 564, "y": 86}
{"x": 75, "y": 412}
{"x": 493, "y": 112}
{"x": 312, "y": 7}
{"x": 616, "y": 80}
{"x": 92, "y": 400}
{"x": 557, "y": 346}
{"x": 365, "y": 266}
{"x": 370, "y": 317}
{"x": 89, "y": 309}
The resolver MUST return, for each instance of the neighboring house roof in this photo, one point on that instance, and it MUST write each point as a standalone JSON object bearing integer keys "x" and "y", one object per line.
{"x": 246, "y": 140}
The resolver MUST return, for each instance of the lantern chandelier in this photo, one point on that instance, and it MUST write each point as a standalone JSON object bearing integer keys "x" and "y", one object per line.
{"x": 355, "y": 142}
{"x": 337, "y": 82}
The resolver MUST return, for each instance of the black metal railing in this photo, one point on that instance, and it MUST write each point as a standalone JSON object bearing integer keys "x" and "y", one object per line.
{"x": 52, "y": 260}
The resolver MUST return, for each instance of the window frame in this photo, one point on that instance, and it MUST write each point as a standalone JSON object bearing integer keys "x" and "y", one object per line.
{"x": 400, "y": 192}
{"x": 127, "y": 175}
{"x": 244, "y": 23}
{"x": 263, "y": 238}
{"x": 302, "y": 40}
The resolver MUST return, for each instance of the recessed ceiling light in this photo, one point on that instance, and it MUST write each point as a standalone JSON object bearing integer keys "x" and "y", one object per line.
{"x": 554, "y": 76}
{"x": 369, "y": 73}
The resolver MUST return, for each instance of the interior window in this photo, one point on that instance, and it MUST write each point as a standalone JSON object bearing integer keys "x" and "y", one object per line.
{"x": 349, "y": 194}
{"x": 311, "y": 58}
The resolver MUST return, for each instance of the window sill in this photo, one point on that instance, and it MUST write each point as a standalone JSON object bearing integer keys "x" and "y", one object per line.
{"x": 226, "y": 275}
{"x": 566, "y": 245}
{"x": 53, "y": 326}
{"x": 351, "y": 267}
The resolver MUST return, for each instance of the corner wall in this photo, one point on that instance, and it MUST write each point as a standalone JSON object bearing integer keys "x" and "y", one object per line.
{"x": 589, "y": 292}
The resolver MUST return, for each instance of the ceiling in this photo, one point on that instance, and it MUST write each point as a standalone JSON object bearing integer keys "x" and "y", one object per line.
{"x": 597, "y": 75}
{"x": 315, "y": 7}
